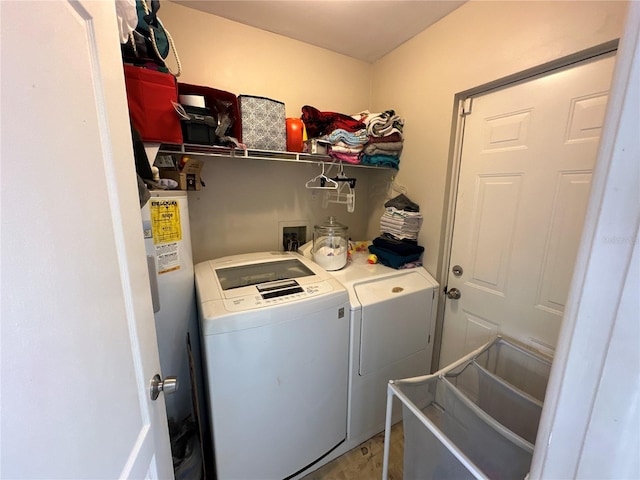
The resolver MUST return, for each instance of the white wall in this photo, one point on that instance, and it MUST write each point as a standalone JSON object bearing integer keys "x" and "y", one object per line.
{"x": 476, "y": 44}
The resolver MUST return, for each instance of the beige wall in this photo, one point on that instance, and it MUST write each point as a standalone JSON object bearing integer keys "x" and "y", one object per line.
{"x": 479, "y": 42}
{"x": 244, "y": 201}
{"x": 230, "y": 56}
{"x": 482, "y": 41}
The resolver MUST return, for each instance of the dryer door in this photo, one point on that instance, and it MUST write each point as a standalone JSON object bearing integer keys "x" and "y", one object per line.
{"x": 396, "y": 320}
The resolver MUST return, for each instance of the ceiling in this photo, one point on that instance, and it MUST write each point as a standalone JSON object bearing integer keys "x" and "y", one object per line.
{"x": 362, "y": 29}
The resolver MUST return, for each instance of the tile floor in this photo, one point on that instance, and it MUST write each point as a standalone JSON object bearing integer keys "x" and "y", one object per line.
{"x": 365, "y": 461}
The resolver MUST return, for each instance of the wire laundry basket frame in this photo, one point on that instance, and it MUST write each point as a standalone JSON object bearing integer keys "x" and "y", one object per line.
{"x": 491, "y": 355}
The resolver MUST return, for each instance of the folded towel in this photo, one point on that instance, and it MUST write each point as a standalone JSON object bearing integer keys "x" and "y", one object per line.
{"x": 389, "y": 148}
{"x": 340, "y": 135}
{"x": 401, "y": 224}
{"x": 388, "y": 236}
{"x": 380, "y": 160}
{"x": 402, "y": 202}
{"x": 392, "y": 259}
{"x": 319, "y": 123}
{"x": 345, "y": 149}
{"x": 394, "y": 137}
{"x": 401, "y": 247}
{"x": 353, "y": 158}
{"x": 401, "y": 235}
{"x": 392, "y": 211}
{"x": 381, "y": 124}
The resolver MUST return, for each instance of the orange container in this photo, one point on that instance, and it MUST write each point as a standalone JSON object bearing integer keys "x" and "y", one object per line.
{"x": 295, "y": 128}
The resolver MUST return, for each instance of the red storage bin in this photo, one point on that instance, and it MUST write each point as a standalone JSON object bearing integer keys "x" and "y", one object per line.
{"x": 149, "y": 95}
{"x": 215, "y": 100}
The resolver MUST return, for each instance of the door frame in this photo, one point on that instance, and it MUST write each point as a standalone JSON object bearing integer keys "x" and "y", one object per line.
{"x": 455, "y": 159}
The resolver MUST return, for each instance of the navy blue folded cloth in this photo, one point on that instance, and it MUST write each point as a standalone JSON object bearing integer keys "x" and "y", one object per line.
{"x": 392, "y": 259}
{"x": 399, "y": 247}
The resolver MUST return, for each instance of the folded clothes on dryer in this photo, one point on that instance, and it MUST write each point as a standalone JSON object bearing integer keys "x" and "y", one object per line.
{"x": 400, "y": 247}
{"x": 401, "y": 224}
{"x": 391, "y": 258}
{"x": 402, "y": 202}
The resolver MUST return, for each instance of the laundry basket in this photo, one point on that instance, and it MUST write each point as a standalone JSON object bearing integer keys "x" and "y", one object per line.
{"x": 467, "y": 420}
{"x": 518, "y": 365}
{"x": 506, "y": 381}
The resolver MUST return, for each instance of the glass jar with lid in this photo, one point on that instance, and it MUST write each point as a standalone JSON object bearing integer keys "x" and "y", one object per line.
{"x": 330, "y": 244}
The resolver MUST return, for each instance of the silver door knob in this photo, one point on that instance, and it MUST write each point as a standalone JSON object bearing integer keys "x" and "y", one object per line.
{"x": 169, "y": 385}
{"x": 454, "y": 294}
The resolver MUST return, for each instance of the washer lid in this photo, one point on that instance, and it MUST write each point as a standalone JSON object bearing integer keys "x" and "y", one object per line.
{"x": 259, "y": 280}
{"x": 258, "y": 273}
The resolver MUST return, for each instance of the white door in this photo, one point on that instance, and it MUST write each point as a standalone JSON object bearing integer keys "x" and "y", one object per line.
{"x": 78, "y": 335}
{"x": 525, "y": 175}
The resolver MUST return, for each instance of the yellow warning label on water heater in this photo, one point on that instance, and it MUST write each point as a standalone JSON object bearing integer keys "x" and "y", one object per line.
{"x": 165, "y": 221}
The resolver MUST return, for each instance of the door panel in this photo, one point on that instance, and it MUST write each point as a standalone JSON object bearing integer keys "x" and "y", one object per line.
{"x": 491, "y": 239}
{"x": 587, "y": 115}
{"x": 507, "y": 132}
{"x": 525, "y": 175}
{"x": 567, "y": 214}
{"x": 78, "y": 336}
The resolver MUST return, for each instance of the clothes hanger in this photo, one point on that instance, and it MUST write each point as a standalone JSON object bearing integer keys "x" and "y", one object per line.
{"x": 342, "y": 177}
{"x": 388, "y": 189}
{"x": 344, "y": 195}
{"x": 393, "y": 186}
{"x": 326, "y": 183}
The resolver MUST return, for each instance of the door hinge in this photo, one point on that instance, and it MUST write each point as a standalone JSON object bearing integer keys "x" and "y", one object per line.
{"x": 466, "y": 106}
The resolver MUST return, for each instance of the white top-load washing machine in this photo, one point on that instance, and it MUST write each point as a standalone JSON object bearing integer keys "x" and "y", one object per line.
{"x": 275, "y": 333}
{"x": 392, "y": 325}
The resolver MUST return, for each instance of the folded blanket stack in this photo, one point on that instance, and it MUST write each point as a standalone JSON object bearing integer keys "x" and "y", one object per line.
{"x": 401, "y": 224}
{"x": 385, "y": 138}
{"x": 347, "y": 145}
{"x": 396, "y": 253}
{"x": 397, "y": 244}
{"x": 319, "y": 123}
{"x": 367, "y": 138}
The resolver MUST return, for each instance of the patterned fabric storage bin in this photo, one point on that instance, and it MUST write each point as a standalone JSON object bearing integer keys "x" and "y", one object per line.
{"x": 264, "y": 125}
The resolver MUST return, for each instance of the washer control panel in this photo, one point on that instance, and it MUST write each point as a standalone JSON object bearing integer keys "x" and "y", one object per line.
{"x": 276, "y": 293}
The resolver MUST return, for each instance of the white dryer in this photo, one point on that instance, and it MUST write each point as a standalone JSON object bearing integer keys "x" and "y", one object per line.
{"x": 275, "y": 334}
{"x": 392, "y": 325}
